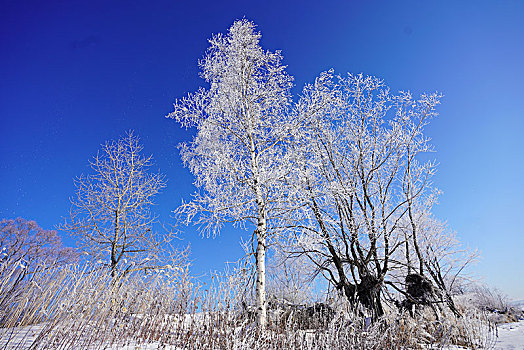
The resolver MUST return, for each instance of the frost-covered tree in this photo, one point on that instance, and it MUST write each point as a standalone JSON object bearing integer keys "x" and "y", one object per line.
{"x": 25, "y": 243}
{"x": 361, "y": 172}
{"x": 110, "y": 214}
{"x": 239, "y": 153}
{"x": 440, "y": 256}
{"x": 25, "y": 249}
{"x": 291, "y": 279}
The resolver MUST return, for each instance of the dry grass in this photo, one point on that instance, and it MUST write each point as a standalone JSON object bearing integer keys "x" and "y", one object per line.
{"x": 74, "y": 307}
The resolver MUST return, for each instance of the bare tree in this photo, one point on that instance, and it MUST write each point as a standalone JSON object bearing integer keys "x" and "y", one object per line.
{"x": 444, "y": 259}
{"x": 24, "y": 242}
{"x": 291, "y": 279}
{"x": 238, "y": 155}
{"x": 25, "y": 249}
{"x": 360, "y": 173}
{"x": 111, "y": 213}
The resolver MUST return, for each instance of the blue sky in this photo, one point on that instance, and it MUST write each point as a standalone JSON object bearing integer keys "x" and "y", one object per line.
{"x": 77, "y": 73}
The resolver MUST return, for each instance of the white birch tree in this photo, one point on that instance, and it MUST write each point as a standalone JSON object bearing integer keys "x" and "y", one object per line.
{"x": 238, "y": 156}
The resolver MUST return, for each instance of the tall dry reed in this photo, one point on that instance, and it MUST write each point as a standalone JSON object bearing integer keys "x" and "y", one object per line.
{"x": 78, "y": 307}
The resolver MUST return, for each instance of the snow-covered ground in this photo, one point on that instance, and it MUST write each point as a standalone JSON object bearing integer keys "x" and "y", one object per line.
{"x": 19, "y": 338}
{"x": 510, "y": 337}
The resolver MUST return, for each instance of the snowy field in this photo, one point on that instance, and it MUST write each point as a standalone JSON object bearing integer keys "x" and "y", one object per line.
{"x": 510, "y": 337}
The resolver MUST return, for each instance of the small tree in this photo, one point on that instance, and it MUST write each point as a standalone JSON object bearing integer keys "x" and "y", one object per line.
{"x": 291, "y": 279}
{"x": 238, "y": 155}
{"x": 26, "y": 248}
{"x": 444, "y": 259}
{"x": 111, "y": 214}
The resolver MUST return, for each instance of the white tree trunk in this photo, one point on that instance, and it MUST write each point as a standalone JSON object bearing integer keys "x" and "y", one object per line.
{"x": 261, "y": 275}
{"x": 261, "y": 232}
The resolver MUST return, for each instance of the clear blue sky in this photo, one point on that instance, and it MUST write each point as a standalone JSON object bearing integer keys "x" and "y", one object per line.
{"x": 74, "y": 74}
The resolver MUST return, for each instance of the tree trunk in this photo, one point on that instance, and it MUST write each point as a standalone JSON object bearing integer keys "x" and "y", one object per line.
{"x": 113, "y": 245}
{"x": 261, "y": 276}
{"x": 368, "y": 291}
{"x": 415, "y": 241}
{"x": 261, "y": 233}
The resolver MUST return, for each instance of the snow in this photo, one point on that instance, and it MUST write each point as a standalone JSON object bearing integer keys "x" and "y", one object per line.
{"x": 19, "y": 338}
{"x": 510, "y": 336}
